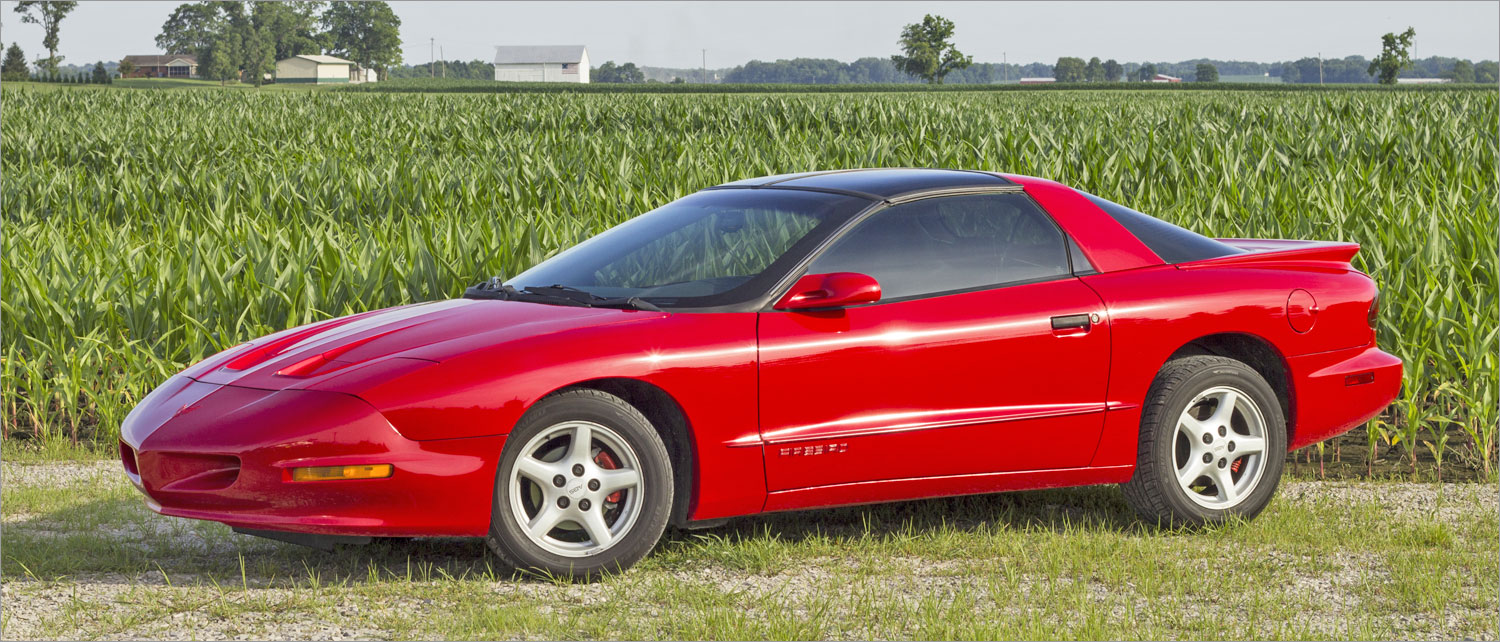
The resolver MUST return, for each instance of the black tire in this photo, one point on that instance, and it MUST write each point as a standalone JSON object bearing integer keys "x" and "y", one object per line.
{"x": 514, "y": 547}
{"x": 1154, "y": 491}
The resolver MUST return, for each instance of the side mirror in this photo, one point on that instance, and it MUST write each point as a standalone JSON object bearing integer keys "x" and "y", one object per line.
{"x": 824, "y": 291}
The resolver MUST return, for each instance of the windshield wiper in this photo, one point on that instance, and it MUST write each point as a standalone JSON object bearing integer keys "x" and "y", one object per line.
{"x": 496, "y": 289}
{"x": 556, "y": 294}
{"x": 631, "y": 302}
{"x": 593, "y": 300}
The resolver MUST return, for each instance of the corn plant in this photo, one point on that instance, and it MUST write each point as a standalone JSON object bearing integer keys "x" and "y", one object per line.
{"x": 133, "y": 248}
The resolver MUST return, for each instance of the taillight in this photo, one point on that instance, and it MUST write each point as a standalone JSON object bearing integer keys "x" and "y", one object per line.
{"x": 1374, "y": 315}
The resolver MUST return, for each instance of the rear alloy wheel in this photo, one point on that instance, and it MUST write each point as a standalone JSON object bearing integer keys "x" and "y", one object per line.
{"x": 1212, "y": 443}
{"x": 584, "y": 487}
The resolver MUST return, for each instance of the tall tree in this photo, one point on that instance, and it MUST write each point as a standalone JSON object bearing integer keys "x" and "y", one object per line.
{"x": 50, "y": 16}
{"x": 629, "y": 73}
{"x": 1069, "y": 69}
{"x": 1206, "y": 73}
{"x": 15, "y": 64}
{"x": 368, "y": 33}
{"x": 126, "y": 68}
{"x": 929, "y": 54}
{"x": 259, "y": 54}
{"x": 1146, "y": 72}
{"x": 1095, "y": 70}
{"x": 291, "y": 27}
{"x": 219, "y": 61}
{"x": 100, "y": 74}
{"x": 1394, "y": 56}
{"x": 192, "y": 29}
{"x": 1112, "y": 70}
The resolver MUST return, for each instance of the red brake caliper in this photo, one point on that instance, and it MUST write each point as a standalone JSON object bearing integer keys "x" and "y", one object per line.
{"x": 1235, "y": 467}
{"x": 608, "y": 462}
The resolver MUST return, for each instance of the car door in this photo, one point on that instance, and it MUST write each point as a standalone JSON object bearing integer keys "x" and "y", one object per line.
{"x": 984, "y": 354}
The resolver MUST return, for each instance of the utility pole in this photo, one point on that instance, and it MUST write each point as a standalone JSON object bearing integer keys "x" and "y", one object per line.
{"x": 431, "y": 59}
{"x": 1320, "y": 68}
{"x": 705, "y": 66}
{"x": 1004, "y": 71}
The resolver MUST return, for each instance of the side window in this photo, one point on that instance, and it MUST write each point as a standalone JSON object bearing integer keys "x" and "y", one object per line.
{"x": 951, "y": 243}
{"x": 1081, "y": 263}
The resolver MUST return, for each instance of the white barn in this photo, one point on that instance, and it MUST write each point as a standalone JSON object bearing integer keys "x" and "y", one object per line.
{"x": 313, "y": 68}
{"x": 559, "y": 63}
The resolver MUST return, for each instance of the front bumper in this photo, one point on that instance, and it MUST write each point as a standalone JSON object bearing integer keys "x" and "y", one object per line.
{"x": 1338, "y": 390}
{"x": 224, "y": 453}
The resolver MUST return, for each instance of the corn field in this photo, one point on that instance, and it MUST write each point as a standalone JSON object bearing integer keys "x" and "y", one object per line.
{"x": 144, "y": 230}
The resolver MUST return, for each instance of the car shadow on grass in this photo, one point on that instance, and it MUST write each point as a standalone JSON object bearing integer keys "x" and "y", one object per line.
{"x": 120, "y": 540}
{"x": 1060, "y": 510}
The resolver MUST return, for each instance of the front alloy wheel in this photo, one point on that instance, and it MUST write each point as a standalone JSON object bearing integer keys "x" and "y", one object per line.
{"x": 576, "y": 488}
{"x": 584, "y": 487}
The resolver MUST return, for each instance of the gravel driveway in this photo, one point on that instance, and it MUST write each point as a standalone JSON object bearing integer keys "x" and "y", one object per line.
{"x": 108, "y": 568}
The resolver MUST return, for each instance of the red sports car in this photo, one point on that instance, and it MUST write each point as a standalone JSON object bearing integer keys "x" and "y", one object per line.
{"x": 785, "y": 343}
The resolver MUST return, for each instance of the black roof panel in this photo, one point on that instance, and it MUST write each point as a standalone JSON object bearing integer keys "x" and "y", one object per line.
{"x": 762, "y": 180}
{"x": 884, "y": 183}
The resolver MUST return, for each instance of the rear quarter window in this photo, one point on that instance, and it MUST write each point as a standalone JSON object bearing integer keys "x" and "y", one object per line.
{"x": 1173, "y": 244}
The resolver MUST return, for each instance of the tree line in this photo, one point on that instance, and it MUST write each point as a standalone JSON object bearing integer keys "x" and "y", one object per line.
{"x": 236, "y": 40}
{"x": 929, "y": 55}
{"x": 827, "y": 71}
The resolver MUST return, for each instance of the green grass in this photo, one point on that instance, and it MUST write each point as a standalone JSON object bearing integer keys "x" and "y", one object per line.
{"x": 133, "y": 249}
{"x": 1325, "y": 561}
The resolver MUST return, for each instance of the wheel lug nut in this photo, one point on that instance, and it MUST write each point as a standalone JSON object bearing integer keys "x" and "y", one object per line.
{"x": 1231, "y": 446}
{"x": 583, "y": 504}
{"x": 558, "y": 480}
{"x": 1207, "y": 458}
{"x": 1223, "y": 462}
{"x": 578, "y": 470}
{"x": 1208, "y": 438}
{"x": 562, "y": 502}
{"x": 593, "y": 484}
{"x": 1223, "y": 431}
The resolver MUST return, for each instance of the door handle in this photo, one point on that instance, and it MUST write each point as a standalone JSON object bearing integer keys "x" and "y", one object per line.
{"x": 1072, "y": 322}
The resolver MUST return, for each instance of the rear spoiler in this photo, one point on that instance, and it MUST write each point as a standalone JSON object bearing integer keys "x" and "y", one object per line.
{"x": 1327, "y": 254}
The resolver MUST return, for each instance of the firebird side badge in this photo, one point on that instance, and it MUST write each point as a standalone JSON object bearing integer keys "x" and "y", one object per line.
{"x": 818, "y": 449}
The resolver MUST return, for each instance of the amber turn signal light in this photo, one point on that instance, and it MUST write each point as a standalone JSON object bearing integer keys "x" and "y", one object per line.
{"x": 327, "y": 473}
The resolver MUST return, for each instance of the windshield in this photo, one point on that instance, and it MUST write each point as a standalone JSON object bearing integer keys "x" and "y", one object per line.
{"x": 711, "y": 248}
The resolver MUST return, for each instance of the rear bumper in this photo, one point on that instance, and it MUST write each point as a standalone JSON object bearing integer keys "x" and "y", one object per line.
{"x": 224, "y": 453}
{"x": 1336, "y": 391}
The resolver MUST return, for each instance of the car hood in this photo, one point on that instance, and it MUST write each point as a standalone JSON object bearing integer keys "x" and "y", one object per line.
{"x": 303, "y": 356}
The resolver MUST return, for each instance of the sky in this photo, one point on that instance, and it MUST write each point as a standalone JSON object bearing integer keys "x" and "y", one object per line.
{"x": 675, "y": 34}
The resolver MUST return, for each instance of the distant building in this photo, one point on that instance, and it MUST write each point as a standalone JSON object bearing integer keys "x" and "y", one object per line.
{"x": 321, "y": 70}
{"x": 164, "y": 66}
{"x": 358, "y": 74}
{"x": 1422, "y": 81}
{"x": 1165, "y": 78}
{"x": 1037, "y": 81}
{"x": 557, "y": 63}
